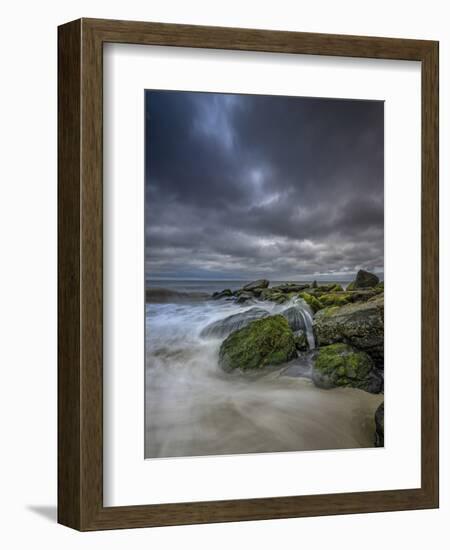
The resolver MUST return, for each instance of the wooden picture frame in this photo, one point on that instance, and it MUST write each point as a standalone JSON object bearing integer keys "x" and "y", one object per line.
{"x": 80, "y": 272}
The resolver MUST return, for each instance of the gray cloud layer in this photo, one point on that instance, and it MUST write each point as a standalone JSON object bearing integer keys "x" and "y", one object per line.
{"x": 241, "y": 186}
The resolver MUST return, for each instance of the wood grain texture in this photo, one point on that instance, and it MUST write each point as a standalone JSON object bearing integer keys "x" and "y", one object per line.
{"x": 430, "y": 272}
{"x": 80, "y": 241}
{"x": 69, "y": 246}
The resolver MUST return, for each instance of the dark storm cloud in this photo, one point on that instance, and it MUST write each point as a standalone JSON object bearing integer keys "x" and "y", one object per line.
{"x": 243, "y": 186}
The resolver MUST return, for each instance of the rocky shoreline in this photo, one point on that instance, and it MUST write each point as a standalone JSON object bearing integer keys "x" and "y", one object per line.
{"x": 341, "y": 330}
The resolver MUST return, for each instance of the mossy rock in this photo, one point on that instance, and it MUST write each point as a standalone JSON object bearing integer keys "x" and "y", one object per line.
{"x": 267, "y": 341}
{"x": 311, "y": 300}
{"x": 328, "y": 311}
{"x": 334, "y": 299}
{"x": 272, "y": 295}
{"x": 359, "y": 324}
{"x": 341, "y": 365}
{"x": 326, "y": 288}
{"x": 223, "y": 327}
{"x": 290, "y": 287}
{"x": 337, "y": 288}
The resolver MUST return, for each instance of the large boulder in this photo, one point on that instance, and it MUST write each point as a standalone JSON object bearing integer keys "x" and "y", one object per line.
{"x": 224, "y": 327}
{"x": 341, "y": 365}
{"x": 364, "y": 279}
{"x": 267, "y": 341}
{"x": 256, "y": 285}
{"x": 359, "y": 324}
{"x": 379, "y": 426}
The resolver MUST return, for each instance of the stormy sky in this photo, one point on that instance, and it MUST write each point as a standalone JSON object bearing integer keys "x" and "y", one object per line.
{"x": 247, "y": 186}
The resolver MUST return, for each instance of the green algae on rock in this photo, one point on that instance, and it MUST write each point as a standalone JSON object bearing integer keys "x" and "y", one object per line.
{"x": 335, "y": 299}
{"x": 339, "y": 365}
{"x": 358, "y": 324}
{"x": 267, "y": 341}
{"x": 223, "y": 327}
{"x": 311, "y": 300}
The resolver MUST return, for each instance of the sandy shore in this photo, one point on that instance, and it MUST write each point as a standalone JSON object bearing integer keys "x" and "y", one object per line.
{"x": 219, "y": 415}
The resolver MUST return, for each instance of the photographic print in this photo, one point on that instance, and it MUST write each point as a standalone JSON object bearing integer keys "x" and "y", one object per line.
{"x": 264, "y": 274}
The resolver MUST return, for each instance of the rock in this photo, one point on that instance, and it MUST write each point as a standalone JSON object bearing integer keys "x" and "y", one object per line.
{"x": 222, "y": 294}
{"x": 256, "y": 292}
{"x": 267, "y": 341}
{"x": 265, "y": 294}
{"x": 260, "y": 284}
{"x": 224, "y": 327}
{"x": 280, "y": 299}
{"x": 337, "y": 288}
{"x": 290, "y": 287}
{"x": 314, "y": 284}
{"x": 332, "y": 287}
{"x": 334, "y": 299}
{"x": 341, "y": 365}
{"x": 358, "y": 324}
{"x": 271, "y": 295}
{"x": 301, "y": 342}
{"x": 295, "y": 318}
{"x": 379, "y": 426}
{"x": 311, "y": 300}
{"x": 364, "y": 279}
{"x": 380, "y": 287}
{"x": 244, "y": 297}
{"x": 360, "y": 295}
